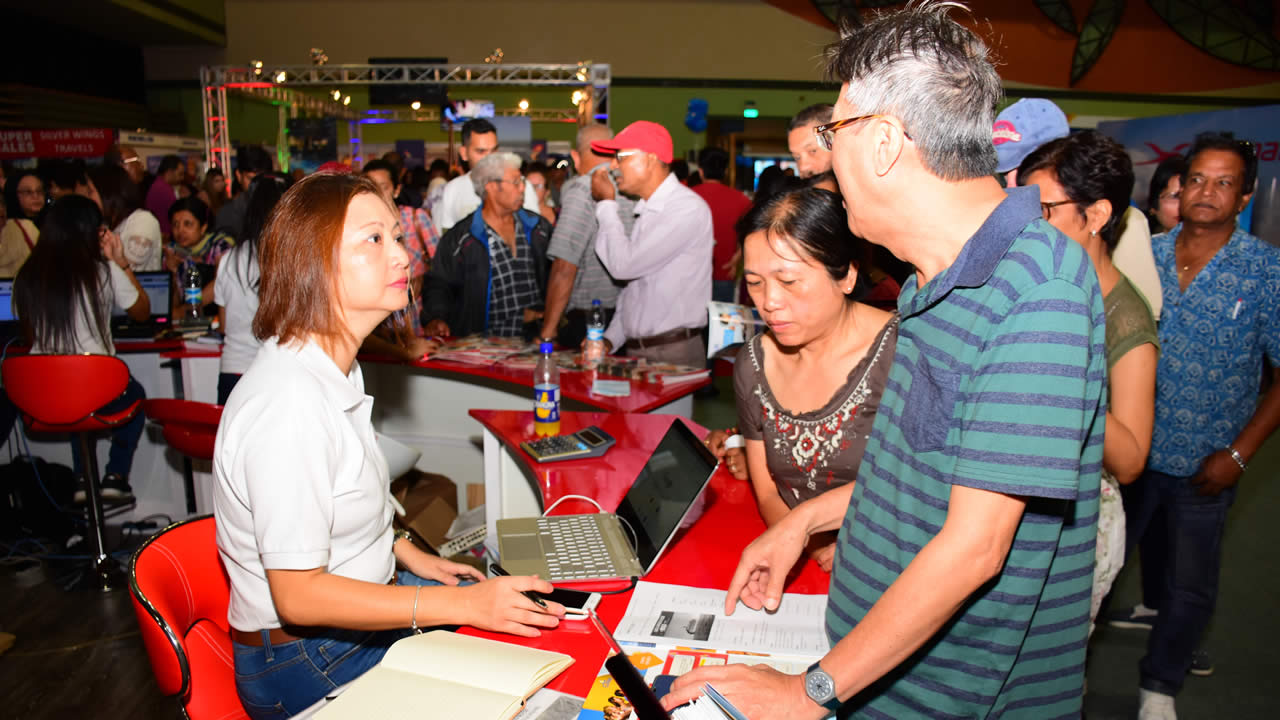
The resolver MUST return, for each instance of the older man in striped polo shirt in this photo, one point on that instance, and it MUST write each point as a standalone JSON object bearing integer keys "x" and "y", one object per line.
{"x": 966, "y": 545}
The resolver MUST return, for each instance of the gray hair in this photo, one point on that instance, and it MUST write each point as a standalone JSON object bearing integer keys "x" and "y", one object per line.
{"x": 493, "y": 167}
{"x": 932, "y": 74}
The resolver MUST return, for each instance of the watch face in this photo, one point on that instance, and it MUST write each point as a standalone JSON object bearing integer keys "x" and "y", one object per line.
{"x": 818, "y": 685}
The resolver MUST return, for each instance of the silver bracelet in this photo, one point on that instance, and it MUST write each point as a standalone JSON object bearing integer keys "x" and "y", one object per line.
{"x": 413, "y": 622}
{"x": 1235, "y": 455}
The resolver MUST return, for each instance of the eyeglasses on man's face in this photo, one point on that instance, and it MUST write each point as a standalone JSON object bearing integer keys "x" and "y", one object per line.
{"x": 827, "y": 133}
{"x": 517, "y": 182}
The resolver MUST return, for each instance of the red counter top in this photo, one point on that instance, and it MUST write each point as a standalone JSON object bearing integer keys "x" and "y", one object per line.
{"x": 574, "y": 385}
{"x": 705, "y": 555}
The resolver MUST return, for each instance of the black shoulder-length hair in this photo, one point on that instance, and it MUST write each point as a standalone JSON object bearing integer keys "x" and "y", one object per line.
{"x": 62, "y": 276}
{"x": 812, "y": 221}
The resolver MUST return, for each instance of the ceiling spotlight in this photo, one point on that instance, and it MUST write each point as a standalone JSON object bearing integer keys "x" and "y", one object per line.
{"x": 337, "y": 95}
{"x": 280, "y": 76}
{"x": 257, "y": 66}
{"x": 523, "y": 104}
{"x": 346, "y": 100}
{"x": 576, "y": 99}
{"x": 415, "y": 105}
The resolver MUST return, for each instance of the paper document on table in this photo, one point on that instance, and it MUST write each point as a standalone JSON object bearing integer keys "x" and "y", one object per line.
{"x": 676, "y": 614}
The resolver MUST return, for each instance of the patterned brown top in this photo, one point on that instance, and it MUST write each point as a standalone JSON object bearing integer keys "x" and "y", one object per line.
{"x": 811, "y": 452}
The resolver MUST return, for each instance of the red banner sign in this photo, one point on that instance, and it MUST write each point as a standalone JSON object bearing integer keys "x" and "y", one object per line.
{"x": 80, "y": 142}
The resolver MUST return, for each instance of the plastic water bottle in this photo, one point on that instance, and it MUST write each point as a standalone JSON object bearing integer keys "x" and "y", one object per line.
{"x": 546, "y": 393}
{"x": 593, "y": 349}
{"x": 192, "y": 287}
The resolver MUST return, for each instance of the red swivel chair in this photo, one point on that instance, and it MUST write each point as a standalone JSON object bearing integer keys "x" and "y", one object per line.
{"x": 190, "y": 428}
{"x": 180, "y": 594}
{"x": 62, "y": 394}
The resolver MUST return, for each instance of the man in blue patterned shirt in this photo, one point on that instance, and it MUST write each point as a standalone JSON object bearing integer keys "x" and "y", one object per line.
{"x": 1221, "y": 299}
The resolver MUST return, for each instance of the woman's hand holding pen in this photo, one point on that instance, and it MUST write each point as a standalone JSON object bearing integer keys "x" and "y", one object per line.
{"x": 501, "y": 605}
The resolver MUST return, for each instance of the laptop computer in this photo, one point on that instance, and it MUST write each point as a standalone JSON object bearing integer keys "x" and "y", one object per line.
{"x": 157, "y": 286}
{"x": 8, "y": 321}
{"x": 623, "y": 544}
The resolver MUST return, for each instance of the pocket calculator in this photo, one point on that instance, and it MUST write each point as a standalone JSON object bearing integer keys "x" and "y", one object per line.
{"x": 586, "y": 443}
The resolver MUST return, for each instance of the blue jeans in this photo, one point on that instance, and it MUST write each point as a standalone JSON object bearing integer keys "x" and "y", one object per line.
{"x": 124, "y": 439}
{"x": 1193, "y": 529}
{"x": 277, "y": 681}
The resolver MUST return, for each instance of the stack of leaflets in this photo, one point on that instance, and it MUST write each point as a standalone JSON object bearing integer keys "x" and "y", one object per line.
{"x": 480, "y": 350}
{"x": 729, "y": 326}
{"x": 669, "y": 630}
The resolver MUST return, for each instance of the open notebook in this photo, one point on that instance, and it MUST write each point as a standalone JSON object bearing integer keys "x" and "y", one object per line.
{"x": 446, "y": 675}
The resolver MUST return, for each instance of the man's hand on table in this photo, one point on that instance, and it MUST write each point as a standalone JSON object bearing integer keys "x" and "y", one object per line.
{"x": 437, "y": 328}
{"x": 759, "y": 691}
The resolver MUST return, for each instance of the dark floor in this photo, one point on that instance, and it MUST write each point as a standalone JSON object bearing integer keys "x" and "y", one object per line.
{"x": 78, "y": 654}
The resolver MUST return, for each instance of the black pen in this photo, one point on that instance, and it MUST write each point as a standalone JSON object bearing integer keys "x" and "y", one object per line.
{"x": 535, "y": 597}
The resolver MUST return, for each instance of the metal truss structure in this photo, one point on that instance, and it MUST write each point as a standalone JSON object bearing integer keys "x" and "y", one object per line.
{"x": 282, "y": 85}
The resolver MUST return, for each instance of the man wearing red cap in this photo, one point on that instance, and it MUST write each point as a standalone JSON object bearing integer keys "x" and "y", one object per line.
{"x": 667, "y": 258}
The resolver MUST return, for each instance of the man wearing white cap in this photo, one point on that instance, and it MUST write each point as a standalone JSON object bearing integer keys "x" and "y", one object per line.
{"x": 1032, "y": 122}
{"x": 667, "y": 258}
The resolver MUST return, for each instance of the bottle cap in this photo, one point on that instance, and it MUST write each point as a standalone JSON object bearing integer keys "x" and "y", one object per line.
{"x": 546, "y": 347}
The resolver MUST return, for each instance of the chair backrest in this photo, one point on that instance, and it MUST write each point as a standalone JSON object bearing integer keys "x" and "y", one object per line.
{"x": 180, "y": 594}
{"x": 63, "y": 389}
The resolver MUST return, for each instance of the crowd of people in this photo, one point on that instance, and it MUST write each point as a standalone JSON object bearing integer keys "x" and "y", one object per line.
{"x": 986, "y": 378}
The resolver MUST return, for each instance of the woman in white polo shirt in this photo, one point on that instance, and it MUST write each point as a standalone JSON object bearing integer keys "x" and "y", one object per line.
{"x": 302, "y": 499}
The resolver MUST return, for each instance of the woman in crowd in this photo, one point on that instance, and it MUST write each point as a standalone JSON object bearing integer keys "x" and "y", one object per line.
{"x": 808, "y": 389}
{"x": 63, "y": 298}
{"x": 536, "y": 176}
{"x": 213, "y": 190}
{"x": 19, "y": 229}
{"x": 122, "y": 209}
{"x": 25, "y": 196}
{"x": 1163, "y": 196}
{"x": 1085, "y": 180}
{"x": 236, "y": 288}
{"x": 302, "y": 494}
{"x": 194, "y": 242}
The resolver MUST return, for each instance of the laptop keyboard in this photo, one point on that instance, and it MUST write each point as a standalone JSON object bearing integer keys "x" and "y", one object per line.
{"x": 574, "y": 548}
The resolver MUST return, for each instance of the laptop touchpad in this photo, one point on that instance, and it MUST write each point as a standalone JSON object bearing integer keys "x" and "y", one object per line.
{"x": 521, "y": 547}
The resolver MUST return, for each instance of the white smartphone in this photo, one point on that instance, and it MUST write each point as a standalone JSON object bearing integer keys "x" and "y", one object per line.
{"x": 575, "y": 600}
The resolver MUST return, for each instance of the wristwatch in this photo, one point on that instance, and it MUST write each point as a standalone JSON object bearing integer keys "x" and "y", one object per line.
{"x": 820, "y": 688}
{"x": 401, "y": 534}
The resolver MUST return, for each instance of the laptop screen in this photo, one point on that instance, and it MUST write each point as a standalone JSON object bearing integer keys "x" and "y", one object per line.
{"x": 6, "y": 301}
{"x": 665, "y": 489}
{"x": 156, "y": 286}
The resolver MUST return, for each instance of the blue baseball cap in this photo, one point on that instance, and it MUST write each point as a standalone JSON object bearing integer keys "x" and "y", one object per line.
{"x": 1023, "y": 127}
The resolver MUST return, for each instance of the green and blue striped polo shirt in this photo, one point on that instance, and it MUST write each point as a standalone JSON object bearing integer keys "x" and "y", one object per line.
{"x": 998, "y": 383}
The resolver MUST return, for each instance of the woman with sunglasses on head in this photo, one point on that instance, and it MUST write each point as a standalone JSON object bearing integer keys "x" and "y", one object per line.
{"x": 302, "y": 495}
{"x": 63, "y": 297}
{"x": 809, "y": 388}
{"x": 1085, "y": 180}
